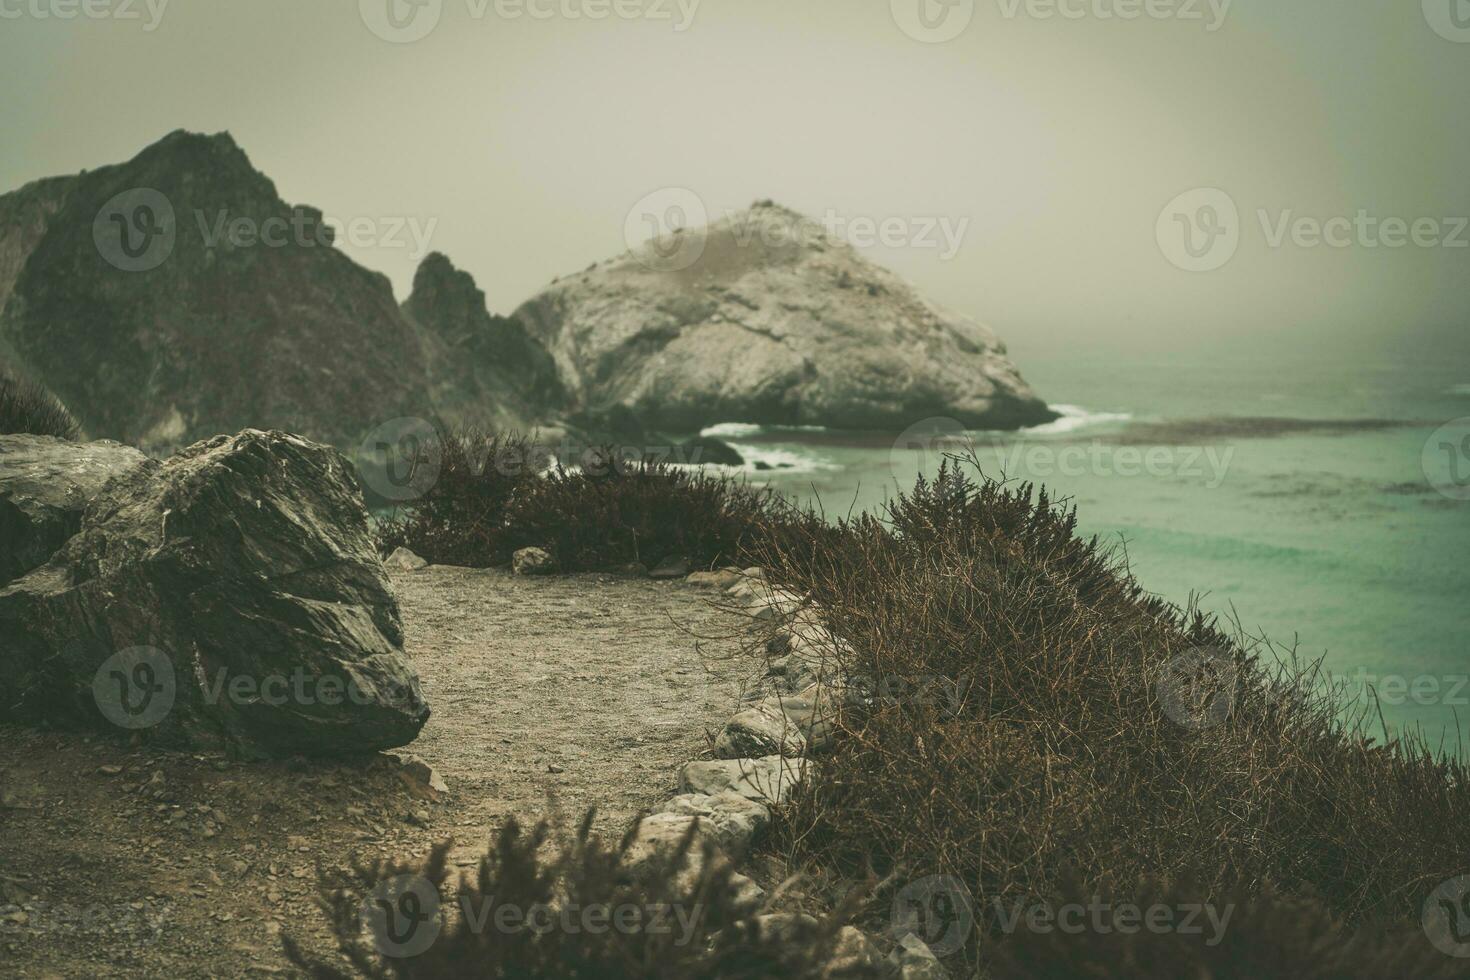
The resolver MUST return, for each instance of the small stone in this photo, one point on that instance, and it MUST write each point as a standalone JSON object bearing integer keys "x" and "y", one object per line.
{"x": 775, "y": 605}
{"x": 670, "y": 568}
{"x": 758, "y": 731}
{"x": 853, "y": 954}
{"x": 406, "y": 560}
{"x": 110, "y": 770}
{"x": 914, "y": 960}
{"x": 730, "y": 819}
{"x": 785, "y": 928}
{"x": 719, "y": 581}
{"x": 421, "y": 777}
{"x": 768, "y": 779}
{"x": 533, "y": 561}
{"x": 555, "y": 769}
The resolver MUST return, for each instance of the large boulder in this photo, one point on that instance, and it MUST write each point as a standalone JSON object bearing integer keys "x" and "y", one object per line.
{"x": 228, "y": 597}
{"x": 45, "y": 484}
{"x": 763, "y": 317}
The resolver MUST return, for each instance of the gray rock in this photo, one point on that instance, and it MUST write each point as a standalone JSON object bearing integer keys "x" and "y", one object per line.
{"x": 755, "y": 319}
{"x": 719, "y": 581}
{"x": 813, "y": 711}
{"x": 660, "y": 834}
{"x": 763, "y": 729}
{"x": 421, "y": 777}
{"x": 853, "y": 954}
{"x": 784, "y": 927}
{"x": 670, "y": 568}
{"x": 766, "y": 780}
{"x": 229, "y": 597}
{"x": 750, "y": 583}
{"x": 405, "y": 560}
{"x": 775, "y": 605}
{"x": 45, "y": 484}
{"x": 533, "y": 561}
{"x": 708, "y": 451}
{"x": 913, "y": 960}
{"x": 730, "y": 819}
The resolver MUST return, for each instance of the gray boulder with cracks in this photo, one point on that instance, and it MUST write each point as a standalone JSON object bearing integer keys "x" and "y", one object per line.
{"x": 228, "y": 597}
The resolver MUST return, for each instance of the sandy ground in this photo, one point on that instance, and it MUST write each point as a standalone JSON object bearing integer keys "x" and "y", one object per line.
{"x": 557, "y": 693}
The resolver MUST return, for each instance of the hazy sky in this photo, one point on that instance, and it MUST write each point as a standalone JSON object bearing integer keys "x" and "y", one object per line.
{"x": 1048, "y": 137}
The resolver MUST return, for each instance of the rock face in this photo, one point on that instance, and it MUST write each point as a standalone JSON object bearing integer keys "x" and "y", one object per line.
{"x": 228, "y": 597}
{"x": 143, "y": 293}
{"x": 45, "y": 484}
{"x": 142, "y": 307}
{"x": 483, "y": 368}
{"x": 758, "y": 319}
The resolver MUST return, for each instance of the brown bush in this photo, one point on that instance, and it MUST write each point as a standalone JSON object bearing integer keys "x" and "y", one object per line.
{"x": 492, "y": 498}
{"x": 1267, "y": 937}
{"x": 461, "y": 518}
{"x": 707, "y": 935}
{"x": 26, "y": 407}
{"x": 1083, "y": 724}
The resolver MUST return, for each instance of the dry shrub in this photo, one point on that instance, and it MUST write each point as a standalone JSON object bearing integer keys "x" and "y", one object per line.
{"x": 1083, "y": 724}
{"x": 613, "y": 513}
{"x": 548, "y": 885}
{"x": 461, "y": 518}
{"x": 26, "y": 407}
{"x": 1267, "y": 937}
{"x": 492, "y": 498}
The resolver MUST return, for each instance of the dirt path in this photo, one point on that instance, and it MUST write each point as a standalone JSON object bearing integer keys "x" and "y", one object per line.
{"x": 124, "y": 861}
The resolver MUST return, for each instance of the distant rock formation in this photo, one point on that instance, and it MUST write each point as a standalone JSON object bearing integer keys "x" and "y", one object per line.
{"x": 131, "y": 300}
{"x": 130, "y": 293}
{"x": 771, "y": 324}
{"x": 176, "y": 296}
{"x": 484, "y": 369}
{"x": 228, "y": 597}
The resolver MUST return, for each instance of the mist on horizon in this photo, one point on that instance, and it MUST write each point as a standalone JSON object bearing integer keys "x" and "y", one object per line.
{"x": 1060, "y": 171}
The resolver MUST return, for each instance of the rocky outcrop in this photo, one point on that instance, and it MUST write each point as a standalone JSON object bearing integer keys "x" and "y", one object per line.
{"x": 45, "y": 485}
{"x": 157, "y": 285}
{"x": 771, "y": 323}
{"x": 143, "y": 294}
{"x": 484, "y": 369}
{"x": 228, "y": 597}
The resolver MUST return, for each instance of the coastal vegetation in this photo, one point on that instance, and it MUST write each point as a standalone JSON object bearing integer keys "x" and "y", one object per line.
{"x": 1032, "y": 719}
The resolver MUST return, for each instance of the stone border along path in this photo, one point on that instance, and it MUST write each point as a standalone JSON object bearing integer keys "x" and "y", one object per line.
{"x": 762, "y": 754}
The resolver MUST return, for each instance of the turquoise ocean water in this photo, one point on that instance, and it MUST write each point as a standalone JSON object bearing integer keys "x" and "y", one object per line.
{"x": 1317, "y": 499}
